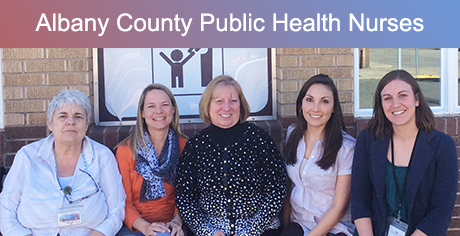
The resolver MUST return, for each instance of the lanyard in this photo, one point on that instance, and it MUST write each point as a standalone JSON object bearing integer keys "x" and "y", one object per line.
{"x": 401, "y": 194}
{"x": 68, "y": 190}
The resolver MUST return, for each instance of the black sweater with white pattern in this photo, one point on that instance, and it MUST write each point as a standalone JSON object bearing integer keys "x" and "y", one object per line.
{"x": 237, "y": 188}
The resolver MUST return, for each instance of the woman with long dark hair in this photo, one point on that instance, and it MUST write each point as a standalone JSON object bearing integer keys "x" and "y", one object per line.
{"x": 318, "y": 156}
{"x": 405, "y": 173}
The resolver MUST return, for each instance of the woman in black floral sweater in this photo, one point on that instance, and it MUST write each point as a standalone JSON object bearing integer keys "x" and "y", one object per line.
{"x": 231, "y": 179}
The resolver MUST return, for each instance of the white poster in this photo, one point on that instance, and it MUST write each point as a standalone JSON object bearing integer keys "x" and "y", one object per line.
{"x": 186, "y": 71}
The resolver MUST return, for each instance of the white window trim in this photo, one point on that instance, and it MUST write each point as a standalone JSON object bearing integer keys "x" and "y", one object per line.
{"x": 184, "y": 120}
{"x": 449, "y": 85}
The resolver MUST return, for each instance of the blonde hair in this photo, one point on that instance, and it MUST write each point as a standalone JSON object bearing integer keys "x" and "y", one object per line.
{"x": 206, "y": 98}
{"x": 136, "y": 140}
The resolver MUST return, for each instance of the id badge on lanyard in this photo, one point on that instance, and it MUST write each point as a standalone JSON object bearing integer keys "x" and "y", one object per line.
{"x": 70, "y": 215}
{"x": 396, "y": 227}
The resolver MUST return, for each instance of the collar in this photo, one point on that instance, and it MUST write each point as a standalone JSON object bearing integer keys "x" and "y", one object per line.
{"x": 423, "y": 153}
{"x": 46, "y": 154}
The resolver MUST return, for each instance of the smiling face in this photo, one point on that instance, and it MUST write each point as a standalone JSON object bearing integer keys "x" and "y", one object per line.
{"x": 224, "y": 109}
{"x": 68, "y": 124}
{"x": 399, "y": 103}
{"x": 317, "y": 106}
{"x": 158, "y": 110}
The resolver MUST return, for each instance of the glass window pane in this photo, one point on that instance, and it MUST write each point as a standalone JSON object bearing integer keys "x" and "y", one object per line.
{"x": 422, "y": 63}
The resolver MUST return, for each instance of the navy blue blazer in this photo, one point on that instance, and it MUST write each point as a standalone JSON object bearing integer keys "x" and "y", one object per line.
{"x": 432, "y": 183}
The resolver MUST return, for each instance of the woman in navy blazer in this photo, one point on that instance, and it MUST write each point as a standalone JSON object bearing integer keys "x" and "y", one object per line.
{"x": 403, "y": 117}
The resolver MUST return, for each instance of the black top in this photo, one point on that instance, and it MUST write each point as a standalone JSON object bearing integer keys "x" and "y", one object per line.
{"x": 231, "y": 180}
{"x": 224, "y": 137}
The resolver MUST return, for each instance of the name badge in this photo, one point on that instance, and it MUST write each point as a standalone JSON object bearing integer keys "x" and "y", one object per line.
{"x": 396, "y": 227}
{"x": 70, "y": 215}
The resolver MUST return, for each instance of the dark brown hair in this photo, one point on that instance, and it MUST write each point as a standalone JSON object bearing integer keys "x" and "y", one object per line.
{"x": 332, "y": 141}
{"x": 379, "y": 123}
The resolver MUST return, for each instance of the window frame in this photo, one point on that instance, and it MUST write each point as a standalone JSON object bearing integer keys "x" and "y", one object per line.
{"x": 449, "y": 104}
{"x": 272, "y": 93}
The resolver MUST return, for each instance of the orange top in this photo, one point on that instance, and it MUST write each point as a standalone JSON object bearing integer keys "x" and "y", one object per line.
{"x": 161, "y": 210}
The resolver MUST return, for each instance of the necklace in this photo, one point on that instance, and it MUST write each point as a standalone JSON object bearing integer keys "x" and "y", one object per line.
{"x": 67, "y": 189}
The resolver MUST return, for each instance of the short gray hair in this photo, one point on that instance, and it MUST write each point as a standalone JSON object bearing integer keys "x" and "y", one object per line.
{"x": 69, "y": 97}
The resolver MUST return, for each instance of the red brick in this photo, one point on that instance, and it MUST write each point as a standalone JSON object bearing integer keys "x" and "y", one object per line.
{"x": 454, "y": 222}
{"x": 262, "y": 124}
{"x": 287, "y": 121}
{"x": 440, "y": 124}
{"x": 8, "y": 160}
{"x": 360, "y": 125}
{"x": 96, "y": 133}
{"x": 188, "y": 129}
{"x": 14, "y": 146}
{"x": 453, "y": 232}
{"x": 452, "y": 123}
{"x": 111, "y": 137}
{"x": 124, "y": 132}
{"x": 26, "y": 132}
{"x": 200, "y": 126}
{"x": 456, "y": 210}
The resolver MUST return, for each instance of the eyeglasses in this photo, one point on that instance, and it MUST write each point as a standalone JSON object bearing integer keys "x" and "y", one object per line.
{"x": 68, "y": 191}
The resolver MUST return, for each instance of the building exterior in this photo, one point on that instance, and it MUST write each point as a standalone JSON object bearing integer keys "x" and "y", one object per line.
{"x": 33, "y": 76}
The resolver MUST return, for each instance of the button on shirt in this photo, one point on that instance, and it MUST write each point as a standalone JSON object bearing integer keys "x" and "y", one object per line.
{"x": 32, "y": 198}
{"x": 313, "y": 188}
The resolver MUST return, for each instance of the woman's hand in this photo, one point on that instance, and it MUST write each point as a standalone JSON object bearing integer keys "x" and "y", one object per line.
{"x": 95, "y": 233}
{"x": 175, "y": 225}
{"x": 150, "y": 229}
{"x": 364, "y": 226}
{"x": 218, "y": 233}
{"x": 418, "y": 232}
{"x": 156, "y": 227}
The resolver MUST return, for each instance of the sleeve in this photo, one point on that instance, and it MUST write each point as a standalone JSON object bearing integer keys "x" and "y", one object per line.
{"x": 345, "y": 158}
{"x": 444, "y": 192}
{"x": 273, "y": 175}
{"x": 187, "y": 194}
{"x": 361, "y": 186}
{"x": 289, "y": 131}
{"x": 125, "y": 163}
{"x": 112, "y": 187}
{"x": 11, "y": 197}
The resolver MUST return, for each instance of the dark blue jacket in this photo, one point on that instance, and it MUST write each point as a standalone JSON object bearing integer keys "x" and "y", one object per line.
{"x": 432, "y": 183}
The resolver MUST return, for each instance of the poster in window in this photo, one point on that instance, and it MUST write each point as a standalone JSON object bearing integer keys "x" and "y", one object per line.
{"x": 124, "y": 73}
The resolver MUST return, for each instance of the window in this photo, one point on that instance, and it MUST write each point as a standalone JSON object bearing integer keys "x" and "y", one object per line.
{"x": 436, "y": 71}
{"x": 122, "y": 74}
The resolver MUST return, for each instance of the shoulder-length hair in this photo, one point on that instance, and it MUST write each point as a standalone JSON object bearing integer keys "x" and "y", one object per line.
{"x": 379, "y": 123}
{"x": 136, "y": 140}
{"x": 332, "y": 141}
{"x": 206, "y": 98}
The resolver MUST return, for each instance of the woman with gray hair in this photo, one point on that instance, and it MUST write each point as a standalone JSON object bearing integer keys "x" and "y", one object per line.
{"x": 66, "y": 183}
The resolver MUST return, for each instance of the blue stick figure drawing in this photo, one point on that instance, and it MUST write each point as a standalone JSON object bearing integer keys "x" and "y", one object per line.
{"x": 177, "y": 65}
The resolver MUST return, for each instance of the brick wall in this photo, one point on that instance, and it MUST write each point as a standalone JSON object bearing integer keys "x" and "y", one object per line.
{"x": 31, "y": 78}
{"x": 295, "y": 65}
{"x": 450, "y": 125}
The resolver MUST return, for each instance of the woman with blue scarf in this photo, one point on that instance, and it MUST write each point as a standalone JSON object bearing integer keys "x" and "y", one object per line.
{"x": 147, "y": 161}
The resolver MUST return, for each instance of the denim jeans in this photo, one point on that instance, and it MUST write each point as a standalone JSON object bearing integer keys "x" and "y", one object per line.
{"x": 125, "y": 231}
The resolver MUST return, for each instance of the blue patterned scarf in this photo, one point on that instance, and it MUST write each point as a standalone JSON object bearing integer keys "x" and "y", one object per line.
{"x": 149, "y": 167}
